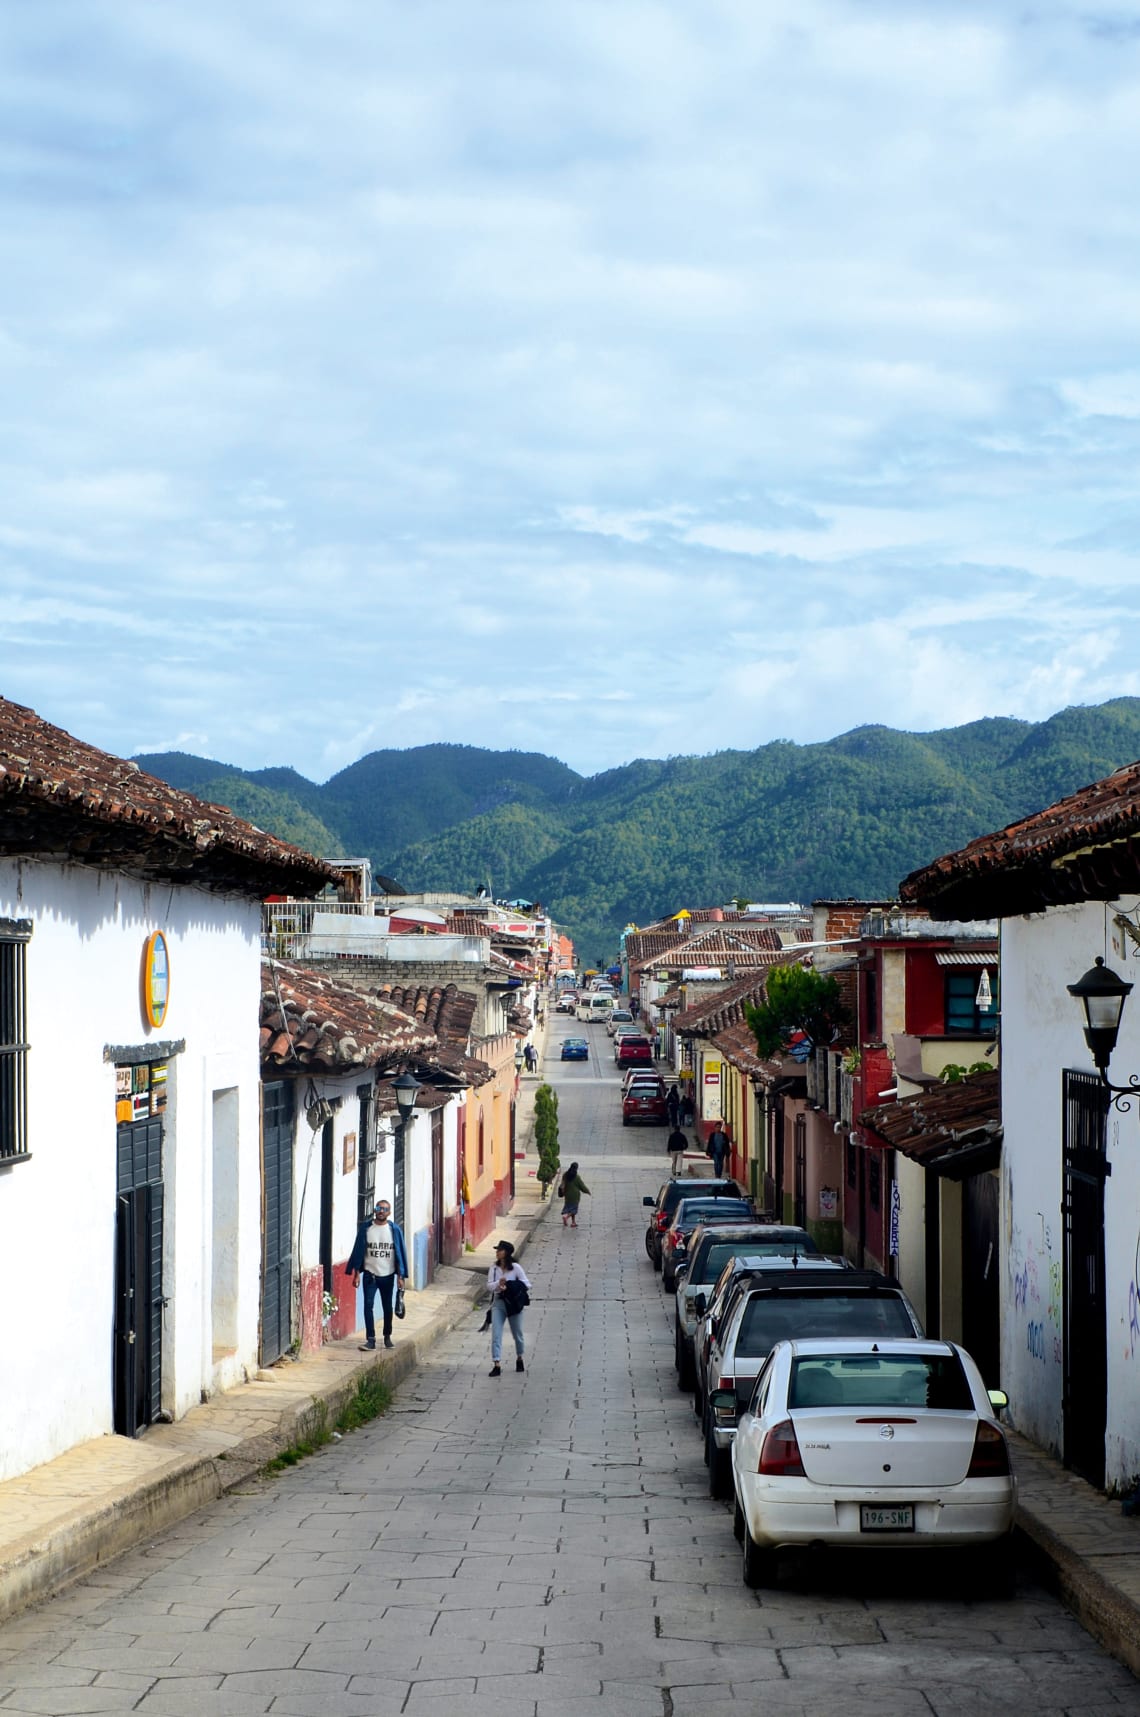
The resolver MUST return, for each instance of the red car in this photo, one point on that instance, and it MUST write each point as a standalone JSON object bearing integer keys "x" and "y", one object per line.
{"x": 634, "y": 1049}
{"x": 645, "y": 1102}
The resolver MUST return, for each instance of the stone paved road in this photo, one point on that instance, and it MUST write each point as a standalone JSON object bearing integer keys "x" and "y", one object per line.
{"x": 537, "y": 1547}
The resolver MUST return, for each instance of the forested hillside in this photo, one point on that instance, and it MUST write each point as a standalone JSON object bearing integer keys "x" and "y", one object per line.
{"x": 848, "y": 816}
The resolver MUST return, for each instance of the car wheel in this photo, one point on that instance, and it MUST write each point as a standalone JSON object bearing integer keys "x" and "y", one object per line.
{"x": 720, "y": 1470}
{"x": 758, "y": 1566}
{"x": 668, "y": 1281}
{"x": 737, "y": 1519}
{"x": 656, "y": 1260}
{"x": 648, "y": 1246}
{"x": 625, "y": 1120}
{"x": 685, "y": 1374}
{"x": 995, "y": 1569}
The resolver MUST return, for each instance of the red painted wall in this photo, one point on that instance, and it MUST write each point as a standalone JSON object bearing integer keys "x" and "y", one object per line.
{"x": 925, "y": 1003}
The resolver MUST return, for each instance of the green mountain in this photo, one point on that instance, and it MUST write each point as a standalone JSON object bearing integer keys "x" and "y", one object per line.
{"x": 848, "y": 816}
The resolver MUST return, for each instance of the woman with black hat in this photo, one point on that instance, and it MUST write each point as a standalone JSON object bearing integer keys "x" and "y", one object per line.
{"x": 509, "y": 1286}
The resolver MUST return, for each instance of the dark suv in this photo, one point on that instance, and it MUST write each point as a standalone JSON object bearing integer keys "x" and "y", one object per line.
{"x": 667, "y": 1200}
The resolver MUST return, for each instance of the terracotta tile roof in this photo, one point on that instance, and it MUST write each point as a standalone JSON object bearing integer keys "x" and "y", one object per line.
{"x": 955, "y": 1129}
{"x": 1084, "y": 847}
{"x": 442, "y": 1009}
{"x": 738, "y": 1046}
{"x": 59, "y": 796}
{"x": 308, "y": 1020}
{"x": 463, "y": 924}
{"x": 726, "y": 1007}
{"x": 717, "y": 944}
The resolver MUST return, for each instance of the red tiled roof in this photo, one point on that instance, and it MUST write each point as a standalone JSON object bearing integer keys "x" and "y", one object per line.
{"x": 309, "y": 1021}
{"x": 738, "y": 1046}
{"x": 726, "y": 1006}
{"x": 717, "y": 944}
{"x": 59, "y": 796}
{"x": 956, "y": 1129}
{"x": 443, "y": 1009}
{"x": 1084, "y": 847}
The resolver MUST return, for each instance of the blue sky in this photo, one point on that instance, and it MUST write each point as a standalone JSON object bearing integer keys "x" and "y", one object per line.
{"x": 607, "y": 379}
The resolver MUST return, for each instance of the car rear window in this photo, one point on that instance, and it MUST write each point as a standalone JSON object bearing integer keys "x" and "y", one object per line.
{"x": 880, "y": 1380}
{"x": 711, "y": 1208}
{"x": 787, "y": 1316}
{"x": 716, "y": 1254}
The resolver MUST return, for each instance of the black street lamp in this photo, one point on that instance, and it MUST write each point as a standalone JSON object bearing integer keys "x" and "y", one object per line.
{"x": 1102, "y": 994}
{"x": 405, "y": 1087}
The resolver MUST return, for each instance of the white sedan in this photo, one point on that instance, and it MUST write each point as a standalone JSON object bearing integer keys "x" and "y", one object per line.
{"x": 888, "y": 1443}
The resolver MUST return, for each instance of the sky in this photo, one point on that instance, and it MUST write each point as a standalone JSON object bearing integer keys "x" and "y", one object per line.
{"x": 601, "y": 378}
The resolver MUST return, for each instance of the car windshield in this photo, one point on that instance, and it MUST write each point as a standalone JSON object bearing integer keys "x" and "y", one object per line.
{"x": 788, "y": 1316}
{"x": 880, "y": 1380}
{"x": 715, "y": 1254}
{"x": 710, "y": 1209}
{"x": 677, "y": 1190}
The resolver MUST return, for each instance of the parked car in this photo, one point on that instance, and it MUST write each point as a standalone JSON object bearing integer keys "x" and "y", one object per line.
{"x": 667, "y": 1200}
{"x": 567, "y": 1002}
{"x": 782, "y": 1305}
{"x": 630, "y": 1030}
{"x": 807, "y": 1460}
{"x": 710, "y": 1249}
{"x": 575, "y": 1049}
{"x": 633, "y": 1049}
{"x": 645, "y": 1101}
{"x": 620, "y": 1016}
{"x": 690, "y": 1213}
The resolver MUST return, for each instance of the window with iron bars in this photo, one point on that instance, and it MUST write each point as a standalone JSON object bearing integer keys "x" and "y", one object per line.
{"x": 14, "y": 936}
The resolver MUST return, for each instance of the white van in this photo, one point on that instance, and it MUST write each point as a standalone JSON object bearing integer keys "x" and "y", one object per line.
{"x": 595, "y": 1007}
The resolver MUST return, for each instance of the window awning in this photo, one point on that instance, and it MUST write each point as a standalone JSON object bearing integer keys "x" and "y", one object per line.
{"x": 969, "y": 957}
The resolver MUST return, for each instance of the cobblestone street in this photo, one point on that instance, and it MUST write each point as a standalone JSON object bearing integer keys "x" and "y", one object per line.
{"x": 542, "y": 1545}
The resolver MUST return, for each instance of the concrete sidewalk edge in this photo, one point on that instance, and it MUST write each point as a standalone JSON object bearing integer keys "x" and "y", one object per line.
{"x": 1103, "y": 1609}
{"x": 44, "y": 1563}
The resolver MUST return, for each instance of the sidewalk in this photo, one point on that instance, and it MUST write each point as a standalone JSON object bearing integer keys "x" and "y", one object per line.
{"x": 64, "y": 1518}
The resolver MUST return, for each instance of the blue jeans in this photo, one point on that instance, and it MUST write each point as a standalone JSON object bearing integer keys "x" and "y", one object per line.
{"x": 387, "y": 1290}
{"x": 498, "y": 1319}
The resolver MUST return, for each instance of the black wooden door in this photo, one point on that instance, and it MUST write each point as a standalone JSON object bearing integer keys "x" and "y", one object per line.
{"x": 1086, "y": 1348}
{"x": 136, "y": 1340}
{"x": 799, "y": 1214}
{"x": 277, "y": 1218}
{"x": 398, "y": 1174}
{"x": 981, "y": 1310}
{"x": 778, "y": 1160}
{"x": 328, "y": 1175}
{"x": 437, "y": 1181}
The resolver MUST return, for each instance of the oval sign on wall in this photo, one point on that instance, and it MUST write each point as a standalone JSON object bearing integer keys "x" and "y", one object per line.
{"x": 156, "y": 979}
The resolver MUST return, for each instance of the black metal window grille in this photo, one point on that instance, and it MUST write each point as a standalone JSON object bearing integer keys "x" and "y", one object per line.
{"x": 14, "y": 936}
{"x": 874, "y": 1180}
{"x": 962, "y": 1011}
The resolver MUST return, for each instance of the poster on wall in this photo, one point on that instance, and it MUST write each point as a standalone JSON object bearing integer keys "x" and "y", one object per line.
{"x": 896, "y": 1206}
{"x": 828, "y": 1202}
{"x": 349, "y": 1158}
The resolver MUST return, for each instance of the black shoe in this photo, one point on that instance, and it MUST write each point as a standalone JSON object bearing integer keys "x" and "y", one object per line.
{"x": 388, "y": 1342}
{"x": 495, "y": 1371}
{"x": 369, "y": 1347}
{"x": 519, "y": 1366}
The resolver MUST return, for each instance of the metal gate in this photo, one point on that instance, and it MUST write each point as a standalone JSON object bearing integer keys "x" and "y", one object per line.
{"x": 437, "y": 1184}
{"x": 799, "y": 1215}
{"x": 981, "y": 1311}
{"x": 1085, "y": 1404}
{"x": 277, "y": 1218}
{"x": 137, "y": 1335}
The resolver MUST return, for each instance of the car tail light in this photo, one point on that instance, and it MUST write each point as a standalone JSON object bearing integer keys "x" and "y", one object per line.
{"x": 725, "y": 1383}
{"x": 990, "y": 1459}
{"x": 662, "y": 1221}
{"x": 780, "y": 1456}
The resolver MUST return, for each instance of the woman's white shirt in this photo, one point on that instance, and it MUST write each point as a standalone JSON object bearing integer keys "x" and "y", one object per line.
{"x": 516, "y": 1273}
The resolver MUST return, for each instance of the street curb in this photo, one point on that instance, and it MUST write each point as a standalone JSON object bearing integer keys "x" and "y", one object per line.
{"x": 1102, "y": 1610}
{"x": 131, "y": 1514}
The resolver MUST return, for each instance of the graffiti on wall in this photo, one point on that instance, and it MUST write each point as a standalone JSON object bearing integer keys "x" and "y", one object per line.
{"x": 1132, "y": 1348}
{"x": 1036, "y": 1283}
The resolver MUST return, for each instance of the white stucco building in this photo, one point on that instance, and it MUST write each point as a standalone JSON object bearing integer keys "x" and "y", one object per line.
{"x": 130, "y": 1175}
{"x": 1066, "y": 886}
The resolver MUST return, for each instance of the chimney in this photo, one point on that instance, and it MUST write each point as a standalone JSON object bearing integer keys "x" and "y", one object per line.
{"x": 717, "y": 915}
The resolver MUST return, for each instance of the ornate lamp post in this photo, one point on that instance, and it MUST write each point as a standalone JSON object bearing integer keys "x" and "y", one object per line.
{"x": 1102, "y": 994}
{"x": 405, "y": 1088}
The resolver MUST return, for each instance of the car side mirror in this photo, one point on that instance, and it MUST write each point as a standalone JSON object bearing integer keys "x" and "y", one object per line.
{"x": 998, "y": 1399}
{"x": 649, "y": 1202}
{"x": 700, "y": 1305}
{"x": 722, "y": 1400}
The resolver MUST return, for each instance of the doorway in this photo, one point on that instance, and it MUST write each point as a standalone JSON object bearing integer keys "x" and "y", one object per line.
{"x": 1086, "y": 1167}
{"x": 981, "y": 1311}
{"x": 137, "y": 1333}
{"x": 277, "y": 1218}
{"x": 437, "y": 1184}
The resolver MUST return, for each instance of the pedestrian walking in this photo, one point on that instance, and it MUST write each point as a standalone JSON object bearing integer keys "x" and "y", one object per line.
{"x": 677, "y": 1144}
{"x": 531, "y": 1055}
{"x": 718, "y": 1148}
{"x": 570, "y": 1190}
{"x": 687, "y": 1110}
{"x": 509, "y": 1285}
{"x": 673, "y": 1104}
{"x": 381, "y": 1255}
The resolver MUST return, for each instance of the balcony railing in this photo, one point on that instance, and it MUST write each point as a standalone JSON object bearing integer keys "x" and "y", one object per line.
{"x": 346, "y": 929}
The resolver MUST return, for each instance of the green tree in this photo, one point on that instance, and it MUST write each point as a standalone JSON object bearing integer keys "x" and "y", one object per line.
{"x": 546, "y": 1136}
{"x": 797, "y": 1000}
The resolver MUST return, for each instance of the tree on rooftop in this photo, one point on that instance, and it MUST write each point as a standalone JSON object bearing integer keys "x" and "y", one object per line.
{"x": 798, "y": 1000}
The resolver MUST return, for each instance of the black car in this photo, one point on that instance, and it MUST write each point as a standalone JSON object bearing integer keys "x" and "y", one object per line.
{"x": 667, "y": 1200}
{"x": 688, "y": 1215}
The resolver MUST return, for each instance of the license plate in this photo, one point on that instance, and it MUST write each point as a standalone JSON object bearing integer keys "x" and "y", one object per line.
{"x": 898, "y": 1519}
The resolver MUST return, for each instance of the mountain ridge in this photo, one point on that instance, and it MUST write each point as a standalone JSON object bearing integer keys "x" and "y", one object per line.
{"x": 845, "y": 816}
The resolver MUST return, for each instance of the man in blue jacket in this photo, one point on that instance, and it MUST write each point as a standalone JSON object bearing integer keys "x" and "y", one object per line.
{"x": 380, "y": 1254}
